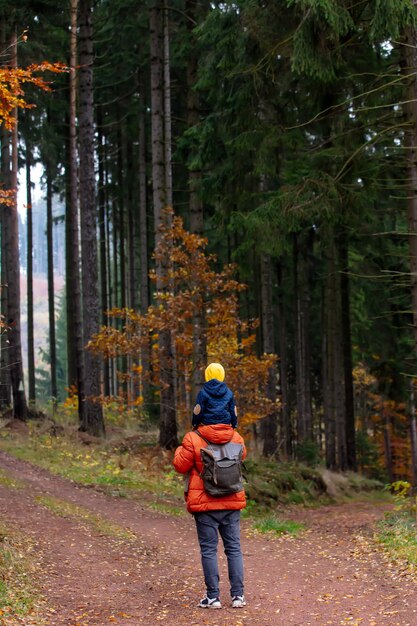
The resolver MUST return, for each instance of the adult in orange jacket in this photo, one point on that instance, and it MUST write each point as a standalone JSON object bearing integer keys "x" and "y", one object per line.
{"x": 213, "y": 515}
{"x": 187, "y": 460}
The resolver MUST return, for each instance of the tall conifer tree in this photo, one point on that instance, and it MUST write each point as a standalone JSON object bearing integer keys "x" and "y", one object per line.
{"x": 93, "y": 417}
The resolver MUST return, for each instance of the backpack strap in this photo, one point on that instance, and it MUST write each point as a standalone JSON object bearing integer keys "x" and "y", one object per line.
{"x": 207, "y": 441}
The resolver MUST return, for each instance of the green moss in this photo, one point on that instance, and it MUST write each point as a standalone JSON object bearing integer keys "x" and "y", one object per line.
{"x": 360, "y": 483}
{"x": 18, "y": 591}
{"x": 95, "y": 465}
{"x": 397, "y": 534}
{"x": 277, "y": 526}
{"x": 8, "y": 481}
{"x": 68, "y": 509}
{"x": 170, "y": 509}
{"x": 284, "y": 483}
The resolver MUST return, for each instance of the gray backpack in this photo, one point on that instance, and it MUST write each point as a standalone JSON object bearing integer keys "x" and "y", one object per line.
{"x": 222, "y": 467}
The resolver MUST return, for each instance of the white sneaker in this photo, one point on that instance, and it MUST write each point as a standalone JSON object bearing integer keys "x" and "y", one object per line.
{"x": 210, "y": 603}
{"x": 238, "y": 602}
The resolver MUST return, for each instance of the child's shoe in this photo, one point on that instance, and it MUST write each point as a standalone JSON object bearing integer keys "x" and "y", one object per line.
{"x": 210, "y": 603}
{"x": 238, "y": 602}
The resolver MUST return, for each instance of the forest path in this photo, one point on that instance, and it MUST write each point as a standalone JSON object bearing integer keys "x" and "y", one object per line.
{"x": 106, "y": 560}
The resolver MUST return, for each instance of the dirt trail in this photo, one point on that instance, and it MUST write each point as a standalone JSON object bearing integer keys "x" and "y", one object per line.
{"x": 328, "y": 576}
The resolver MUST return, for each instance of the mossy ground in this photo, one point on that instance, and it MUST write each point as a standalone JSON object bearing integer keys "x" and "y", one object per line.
{"x": 19, "y": 596}
{"x": 397, "y": 534}
{"x": 128, "y": 463}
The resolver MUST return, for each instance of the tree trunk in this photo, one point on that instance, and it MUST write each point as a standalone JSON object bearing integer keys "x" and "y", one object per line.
{"x": 5, "y": 386}
{"x": 132, "y": 240}
{"x": 108, "y": 234}
{"x": 93, "y": 422}
{"x": 115, "y": 282}
{"x": 286, "y": 430}
{"x": 104, "y": 291}
{"x": 333, "y": 377}
{"x": 167, "y": 109}
{"x": 302, "y": 250}
{"x": 143, "y": 205}
{"x": 269, "y": 423}
{"x": 143, "y": 244}
{"x": 168, "y": 437}
{"x": 122, "y": 360}
{"x": 347, "y": 355}
{"x": 121, "y": 214}
{"x": 196, "y": 210}
{"x": 51, "y": 289}
{"x": 132, "y": 237}
{"x": 409, "y": 62}
{"x": 169, "y": 202}
{"x": 413, "y": 435}
{"x": 71, "y": 199}
{"x": 114, "y": 299}
{"x": 194, "y": 12}
{"x": 75, "y": 350}
{"x": 12, "y": 266}
{"x": 388, "y": 449}
{"x": 29, "y": 272}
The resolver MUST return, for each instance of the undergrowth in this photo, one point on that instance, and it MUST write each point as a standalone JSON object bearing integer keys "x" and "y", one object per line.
{"x": 276, "y": 526}
{"x": 270, "y": 483}
{"x": 9, "y": 482}
{"x": 100, "y": 464}
{"x": 19, "y": 597}
{"x": 396, "y": 533}
{"x": 133, "y": 466}
{"x": 69, "y": 509}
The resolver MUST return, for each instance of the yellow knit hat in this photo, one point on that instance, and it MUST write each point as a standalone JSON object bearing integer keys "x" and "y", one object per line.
{"x": 214, "y": 370}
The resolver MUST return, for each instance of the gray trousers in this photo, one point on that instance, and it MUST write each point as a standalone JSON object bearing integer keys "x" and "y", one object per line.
{"x": 209, "y": 526}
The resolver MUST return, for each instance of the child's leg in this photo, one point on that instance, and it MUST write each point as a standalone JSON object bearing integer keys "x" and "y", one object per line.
{"x": 207, "y": 532}
{"x": 230, "y": 532}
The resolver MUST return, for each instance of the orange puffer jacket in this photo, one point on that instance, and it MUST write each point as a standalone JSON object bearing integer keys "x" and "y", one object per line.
{"x": 187, "y": 459}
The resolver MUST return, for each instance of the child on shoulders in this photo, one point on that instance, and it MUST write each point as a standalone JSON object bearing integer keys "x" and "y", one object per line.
{"x": 215, "y": 403}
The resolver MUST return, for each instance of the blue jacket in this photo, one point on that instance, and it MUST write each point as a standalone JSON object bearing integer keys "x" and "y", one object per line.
{"x": 215, "y": 404}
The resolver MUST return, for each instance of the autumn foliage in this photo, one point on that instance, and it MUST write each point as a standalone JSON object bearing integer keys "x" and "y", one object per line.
{"x": 13, "y": 81}
{"x": 192, "y": 284}
{"x": 384, "y": 423}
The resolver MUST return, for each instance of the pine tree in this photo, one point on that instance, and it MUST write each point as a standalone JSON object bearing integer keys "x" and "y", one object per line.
{"x": 93, "y": 416}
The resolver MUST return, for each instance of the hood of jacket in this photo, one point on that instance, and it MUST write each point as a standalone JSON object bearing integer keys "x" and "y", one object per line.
{"x": 217, "y": 433}
{"x": 215, "y": 388}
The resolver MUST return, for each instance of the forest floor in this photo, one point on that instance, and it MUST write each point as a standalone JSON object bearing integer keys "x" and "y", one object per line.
{"x": 102, "y": 559}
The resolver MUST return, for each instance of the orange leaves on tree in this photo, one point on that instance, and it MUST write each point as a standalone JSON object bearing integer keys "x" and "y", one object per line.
{"x": 385, "y": 421}
{"x": 392, "y": 424}
{"x": 71, "y": 401}
{"x": 7, "y": 197}
{"x": 193, "y": 288}
{"x": 12, "y": 83}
